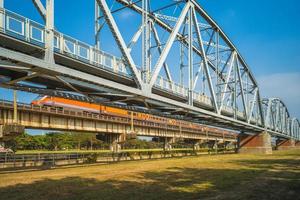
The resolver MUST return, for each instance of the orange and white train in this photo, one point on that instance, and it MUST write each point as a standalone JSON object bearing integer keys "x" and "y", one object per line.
{"x": 63, "y": 103}
{"x": 59, "y": 102}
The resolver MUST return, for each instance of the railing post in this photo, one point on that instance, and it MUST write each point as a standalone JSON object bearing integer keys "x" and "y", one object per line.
{"x": 2, "y": 16}
{"x": 91, "y": 55}
{"x": 61, "y": 43}
{"x": 27, "y": 30}
{"x": 114, "y": 64}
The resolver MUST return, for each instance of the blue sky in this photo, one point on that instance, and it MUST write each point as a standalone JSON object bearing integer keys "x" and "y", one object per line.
{"x": 267, "y": 34}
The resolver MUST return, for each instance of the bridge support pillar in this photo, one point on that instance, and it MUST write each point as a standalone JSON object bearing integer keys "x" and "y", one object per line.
{"x": 168, "y": 143}
{"x": 285, "y": 144}
{"x": 115, "y": 140}
{"x": 255, "y": 144}
{"x": 213, "y": 145}
{"x": 224, "y": 144}
{"x": 197, "y": 144}
{"x": 9, "y": 131}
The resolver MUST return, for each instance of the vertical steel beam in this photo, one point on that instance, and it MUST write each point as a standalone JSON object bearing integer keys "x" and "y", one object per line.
{"x": 120, "y": 41}
{"x": 169, "y": 44}
{"x": 206, "y": 67}
{"x": 235, "y": 92}
{"x": 233, "y": 57}
{"x": 273, "y": 110}
{"x": 217, "y": 43}
{"x": 260, "y": 109}
{"x": 190, "y": 58}
{"x": 49, "y": 54}
{"x": 145, "y": 43}
{"x": 97, "y": 27}
{"x": 277, "y": 115}
{"x": 253, "y": 104}
{"x": 2, "y": 18}
{"x": 268, "y": 114}
{"x": 242, "y": 89}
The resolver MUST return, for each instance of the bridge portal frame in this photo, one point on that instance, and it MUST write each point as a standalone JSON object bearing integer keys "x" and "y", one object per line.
{"x": 47, "y": 67}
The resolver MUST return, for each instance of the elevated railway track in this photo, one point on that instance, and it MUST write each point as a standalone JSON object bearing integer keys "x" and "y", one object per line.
{"x": 54, "y": 118}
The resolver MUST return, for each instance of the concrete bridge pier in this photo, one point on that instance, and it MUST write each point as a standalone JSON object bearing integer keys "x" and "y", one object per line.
{"x": 115, "y": 140}
{"x": 254, "y": 144}
{"x": 168, "y": 141}
{"x": 197, "y": 144}
{"x": 213, "y": 145}
{"x": 285, "y": 144}
{"x": 8, "y": 131}
{"x": 225, "y": 144}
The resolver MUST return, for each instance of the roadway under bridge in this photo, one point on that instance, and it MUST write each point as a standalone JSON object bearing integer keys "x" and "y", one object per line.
{"x": 178, "y": 62}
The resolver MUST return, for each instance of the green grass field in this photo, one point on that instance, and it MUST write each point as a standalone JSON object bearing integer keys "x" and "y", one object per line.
{"x": 262, "y": 177}
{"x": 90, "y": 151}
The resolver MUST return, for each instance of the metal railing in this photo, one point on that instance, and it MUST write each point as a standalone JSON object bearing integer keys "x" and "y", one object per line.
{"x": 34, "y": 33}
{"x": 47, "y": 160}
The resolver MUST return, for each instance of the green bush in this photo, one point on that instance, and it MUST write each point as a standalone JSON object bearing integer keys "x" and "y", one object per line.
{"x": 91, "y": 158}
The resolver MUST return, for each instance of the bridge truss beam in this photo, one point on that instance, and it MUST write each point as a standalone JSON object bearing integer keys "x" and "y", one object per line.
{"x": 222, "y": 92}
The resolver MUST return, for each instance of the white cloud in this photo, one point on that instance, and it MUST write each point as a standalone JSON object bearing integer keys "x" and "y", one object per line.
{"x": 125, "y": 14}
{"x": 285, "y": 86}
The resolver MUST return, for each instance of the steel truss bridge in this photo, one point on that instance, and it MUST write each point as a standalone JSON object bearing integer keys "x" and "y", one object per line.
{"x": 177, "y": 62}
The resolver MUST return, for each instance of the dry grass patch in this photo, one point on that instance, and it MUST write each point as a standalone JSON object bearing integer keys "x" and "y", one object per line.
{"x": 235, "y": 176}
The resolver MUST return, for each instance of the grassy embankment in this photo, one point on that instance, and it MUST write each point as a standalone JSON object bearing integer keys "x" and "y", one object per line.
{"x": 90, "y": 151}
{"x": 230, "y": 177}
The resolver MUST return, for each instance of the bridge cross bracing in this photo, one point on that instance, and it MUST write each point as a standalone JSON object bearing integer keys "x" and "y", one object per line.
{"x": 185, "y": 67}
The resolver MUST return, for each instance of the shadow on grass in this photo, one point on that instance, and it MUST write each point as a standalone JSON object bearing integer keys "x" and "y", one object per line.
{"x": 282, "y": 160}
{"x": 172, "y": 183}
{"x": 277, "y": 164}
